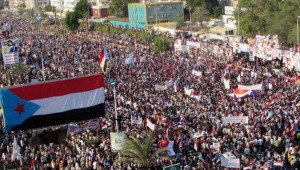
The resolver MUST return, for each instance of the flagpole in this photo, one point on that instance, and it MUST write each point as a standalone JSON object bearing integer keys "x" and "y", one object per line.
{"x": 116, "y": 113}
{"x": 42, "y": 57}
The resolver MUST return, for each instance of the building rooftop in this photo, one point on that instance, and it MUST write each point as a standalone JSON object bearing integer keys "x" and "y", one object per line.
{"x": 157, "y": 3}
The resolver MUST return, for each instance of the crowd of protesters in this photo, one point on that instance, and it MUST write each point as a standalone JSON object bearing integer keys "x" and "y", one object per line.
{"x": 268, "y": 137}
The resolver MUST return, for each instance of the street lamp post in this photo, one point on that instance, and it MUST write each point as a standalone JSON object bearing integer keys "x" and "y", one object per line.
{"x": 190, "y": 19}
{"x": 238, "y": 29}
{"x": 112, "y": 82}
{"x": 42, "y": 57}
{"x": 155, "y": 14}
{"x": 298, "y": 30}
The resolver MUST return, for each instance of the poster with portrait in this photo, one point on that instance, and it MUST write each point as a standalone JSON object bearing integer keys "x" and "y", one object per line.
{"x": 10, "y": 51}
{"x": 117, "y": 141}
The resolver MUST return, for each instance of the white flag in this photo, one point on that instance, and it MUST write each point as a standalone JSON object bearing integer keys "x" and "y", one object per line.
{"x": 150, "y": 125}
{"x": 239, "y": 78}
{"x": 169, "y": 83}
{"x": 175, "y": 84}
{"x": 197, "y": 73}
{"x": 130, "y": 59}
{"x": 188, "y": 91}
{"x": 16, "y": 150}
{"x": 159, "y": 87}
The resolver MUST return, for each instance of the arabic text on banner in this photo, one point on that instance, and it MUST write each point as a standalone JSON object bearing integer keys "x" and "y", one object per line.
{"x": 230, "y": 163}
{"x": 10, "y": 51}
{"x": 117, "y": 141}
{"x": 235, "y": 119}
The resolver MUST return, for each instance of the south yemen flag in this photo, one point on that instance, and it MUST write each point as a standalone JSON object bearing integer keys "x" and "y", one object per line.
{"x": 53, "y": 103}
{"x": 102, "y": 60}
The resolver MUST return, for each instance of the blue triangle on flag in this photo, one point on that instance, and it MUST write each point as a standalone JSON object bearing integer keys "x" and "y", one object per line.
{"x": 16, "y": 110}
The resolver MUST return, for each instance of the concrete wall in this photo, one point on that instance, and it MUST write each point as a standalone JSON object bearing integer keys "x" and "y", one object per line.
{"x": 127, "y": 24}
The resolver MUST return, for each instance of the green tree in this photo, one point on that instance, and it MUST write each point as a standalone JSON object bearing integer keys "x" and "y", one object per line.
{"x": 119, "y": 8}
{"x": 160, "y": 44}
{"x": 20, "y": 11}
{"x": 71, "y": 21}
{"x": 200, "y": 15}
{"x": 82, "y": 9}
{"x": 179, "y": 23}
{"x": 43, "y": 14}
{"x": 30, "y": 12}
{"x": 269, "y": 17}
{"x": 139, "y": 152}
{"x": 212, "y": 6}
{"x": 20, "y": 70}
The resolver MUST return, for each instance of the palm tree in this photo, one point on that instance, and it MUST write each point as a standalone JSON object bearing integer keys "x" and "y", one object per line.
{"x": 139, "y": 152}
{"x": 20, "y": 70}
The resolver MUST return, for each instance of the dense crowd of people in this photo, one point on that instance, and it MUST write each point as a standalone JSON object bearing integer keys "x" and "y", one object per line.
{"x": 195, "y": 125}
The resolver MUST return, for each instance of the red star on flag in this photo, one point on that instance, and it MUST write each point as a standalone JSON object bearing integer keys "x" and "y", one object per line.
{"x": 20, "y": 108}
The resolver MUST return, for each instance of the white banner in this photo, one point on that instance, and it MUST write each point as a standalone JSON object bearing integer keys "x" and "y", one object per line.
{"x": 227, "y": 83}
{"x": 251, "y": 87}
{"x": 73, "y": 129}
{"x": 159, "y": 87}
{"x": 230, "y": 163}
{"x": 197, "y": 73}
{"x": 193, "y": 44}
{"x": 130, "y": 60}
{"x": 297, "y": 62}
{"x": 244, "y": 47}
{"x": 10, "y": 51}
{"x": 90, "y": 125}
{"x": 117, "y": 141}
{"x": 136, "y": 120}
{"x": 235, "y": 119}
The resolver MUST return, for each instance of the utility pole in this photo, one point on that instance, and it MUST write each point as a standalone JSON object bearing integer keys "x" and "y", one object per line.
{"x": 190, "y": 19}
{"x": 238, "y": 28}
{"x": 298, "y": 17}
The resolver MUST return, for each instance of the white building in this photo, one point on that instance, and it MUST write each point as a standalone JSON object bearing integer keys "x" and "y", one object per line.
{"x": 28, "y": 4}
{"x": 40, "y": 4}
{"x": 69, "y": 5}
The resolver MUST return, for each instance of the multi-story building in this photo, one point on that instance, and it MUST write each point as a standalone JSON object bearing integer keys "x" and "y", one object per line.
{"x": 38, "y": 4}
{"x": 69, "y": 5}
{"x": 144, "y": 15}
{"x": 13, "y": 4}
{"x": 2, "y": 4}
{"x": 28, "y": 4}
{"x": 100, "y": 8}
{"x": 155, "y": 12}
